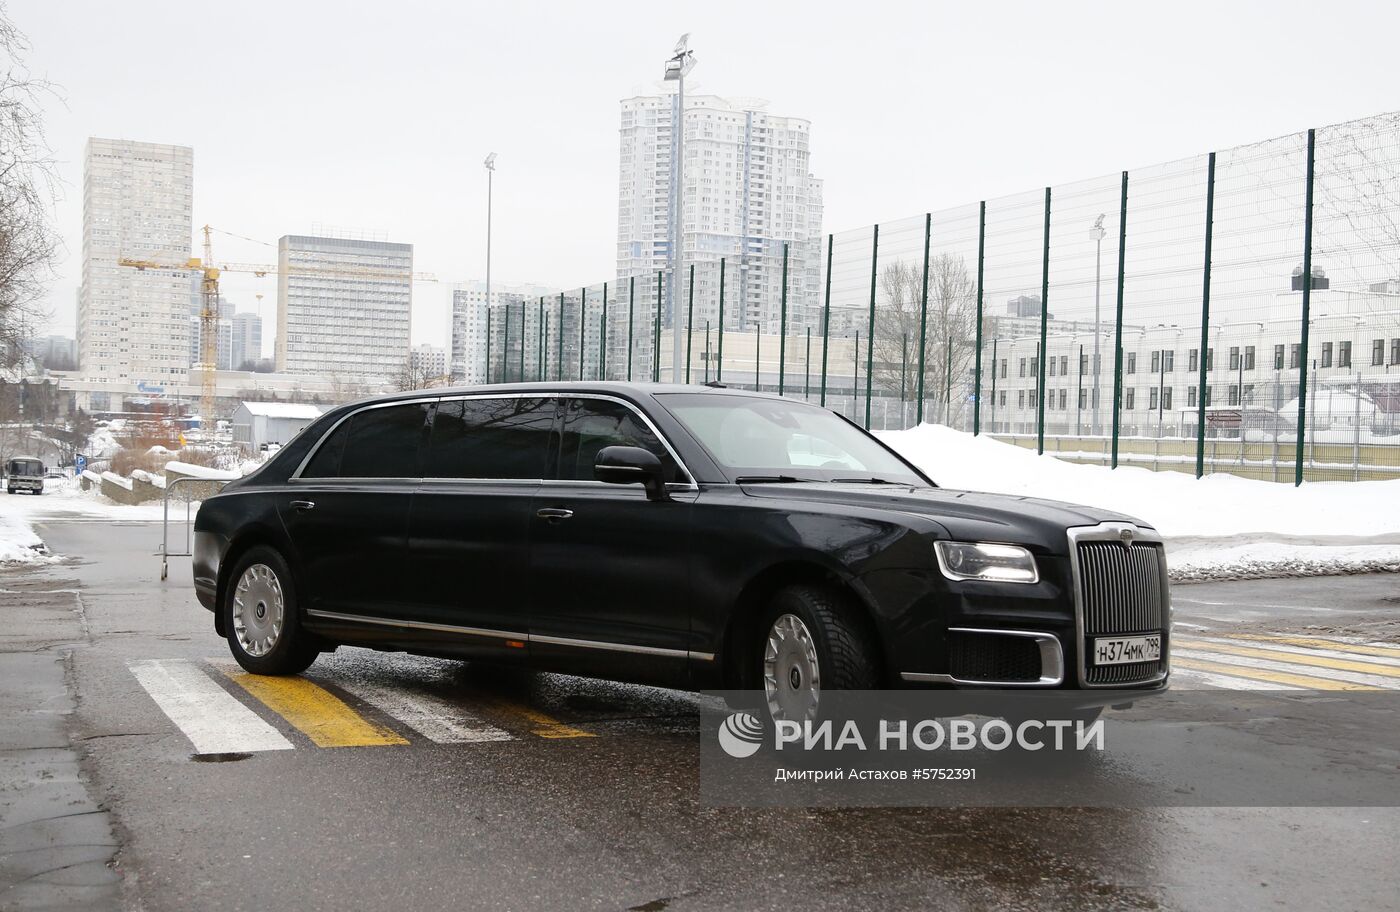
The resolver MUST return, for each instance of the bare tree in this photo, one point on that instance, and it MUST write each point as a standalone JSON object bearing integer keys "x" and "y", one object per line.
{"x": 950, "y": 332}
{"x": 28, "y": 185}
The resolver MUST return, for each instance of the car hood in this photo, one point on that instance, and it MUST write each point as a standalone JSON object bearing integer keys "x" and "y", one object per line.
{"x": 965, "y": 515}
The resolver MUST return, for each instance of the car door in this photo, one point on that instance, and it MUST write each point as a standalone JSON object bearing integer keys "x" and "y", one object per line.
{"x": 608, "y": 568}
{"x": 346, "y": 512}
{"x": 470, "y": 524}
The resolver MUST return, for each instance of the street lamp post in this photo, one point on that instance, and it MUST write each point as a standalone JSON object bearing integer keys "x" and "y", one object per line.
{"x": 1097, "y": 233}
{"x": 490, "y": 164}
{"x": 680, "y": 64}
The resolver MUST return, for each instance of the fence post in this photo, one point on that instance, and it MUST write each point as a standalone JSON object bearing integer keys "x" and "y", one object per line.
{"x": 923, "y": 325}
{"x": 719, "y": 356}
{"x": 559, "y": 359}
{"x": 631, "y": 320}
{"x": 603, "y": 337}
{"x": 1307, "y": 305}
{"x": 488, "y": 341}
{"x": 977, "y": 375}
{"x": 807, "y": 368}
{"x": 544, "y": 338}
{"x": 539, "y": 361}
{"x": 523, "y": 331}
{"x": 656, "y": 333}
{"x": 1205, "y": 321}
{"x": 782, "y": 325}
{"x": 1044, "y": 313}
{"x": 855, "y": 378}
{"x": 826, "y": 317}
{"x": 870, "y": 339}
{"x": 757, "y": 354}
{"x": 505, "y": 347}
{"x": 903, "y": 370}
{"x": 1118, "y": 320}
{"x": 707, "y": 352}
{"x": 689, "y": 319}
{"x": 582, "y": 327}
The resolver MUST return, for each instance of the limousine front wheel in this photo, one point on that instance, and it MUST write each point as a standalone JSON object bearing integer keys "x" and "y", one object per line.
{"x": 260, "y": 606}
{"x": 813, "y": 641}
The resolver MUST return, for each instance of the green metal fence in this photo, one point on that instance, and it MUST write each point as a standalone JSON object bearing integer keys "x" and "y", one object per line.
{"x": 1236, "y": 311}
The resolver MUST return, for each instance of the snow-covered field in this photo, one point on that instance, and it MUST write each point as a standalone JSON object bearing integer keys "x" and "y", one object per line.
{"x": 1217, "y": 526}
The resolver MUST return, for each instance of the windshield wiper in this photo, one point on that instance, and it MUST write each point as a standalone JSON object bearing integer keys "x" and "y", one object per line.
{"x": 884, "y": 481}
{"x": 769, "y": 479}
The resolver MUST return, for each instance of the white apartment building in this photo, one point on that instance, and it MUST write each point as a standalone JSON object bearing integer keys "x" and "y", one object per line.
{"x": 748, "y": 191}
{"x": 344, "y": 308}
{"x": 428, "y": 362}
{"x": 133, "y": 325}
{"x": 470, "y": 325}
{"x": 246, "y": 344}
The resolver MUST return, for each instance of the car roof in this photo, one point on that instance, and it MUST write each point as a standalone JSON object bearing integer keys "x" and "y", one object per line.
{"x": 612, "y": 387}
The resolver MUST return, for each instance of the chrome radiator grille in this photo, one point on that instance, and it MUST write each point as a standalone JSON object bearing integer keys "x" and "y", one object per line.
{"x": 1121, "y": 588}
{"x": 1122, "y": 592}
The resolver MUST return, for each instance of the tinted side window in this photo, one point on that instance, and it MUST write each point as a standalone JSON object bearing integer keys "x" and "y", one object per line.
{"x": 490, "y": 438}
{"x": 326, "y": 462}
{"x": 384, "y": 442}
{"x": 591, "y": 424}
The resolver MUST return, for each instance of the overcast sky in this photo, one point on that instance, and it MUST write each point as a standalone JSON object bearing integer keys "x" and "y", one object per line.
{"x": 376, "y": 116}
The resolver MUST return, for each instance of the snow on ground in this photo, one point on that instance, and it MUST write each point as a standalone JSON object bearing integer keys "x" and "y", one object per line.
{"x": 1217, "y": 526}
{"x": 18, "y": 543}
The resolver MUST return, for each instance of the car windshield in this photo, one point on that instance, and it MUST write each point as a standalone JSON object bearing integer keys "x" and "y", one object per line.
{"x": 764, "y": 439}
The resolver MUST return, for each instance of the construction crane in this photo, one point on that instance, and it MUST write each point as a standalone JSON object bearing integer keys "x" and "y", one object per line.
{"x": 209, "y": 274}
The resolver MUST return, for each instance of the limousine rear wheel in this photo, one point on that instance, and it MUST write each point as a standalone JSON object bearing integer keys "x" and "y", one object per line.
{"x": 813, "y": 641}
{"x": 261, "y": 616}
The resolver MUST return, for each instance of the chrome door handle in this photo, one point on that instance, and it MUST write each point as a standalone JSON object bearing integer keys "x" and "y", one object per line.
{"x": 554, "y": 514}
{"x": 303, "y": 505}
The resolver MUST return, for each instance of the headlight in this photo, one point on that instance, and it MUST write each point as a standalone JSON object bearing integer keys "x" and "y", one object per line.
{"x": 986, "y": 561}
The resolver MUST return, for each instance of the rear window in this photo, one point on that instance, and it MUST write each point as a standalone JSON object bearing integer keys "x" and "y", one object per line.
{"x": 506, "y": 438}
{"x": 380, "y": 442}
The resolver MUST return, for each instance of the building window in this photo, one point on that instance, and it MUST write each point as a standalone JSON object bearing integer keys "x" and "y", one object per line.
{"x": 1326, "y": 354}
{"x": 1395, "y": 351}
{"x": 1064, "y": 399}
{"x": 1192, "y": 360}
{"x": 1295, "y": 352}
{"x": 1152, "y": 399}
{"x": 1249, "y": 357}
{"x": 1378, "y": 353}
{"x": 1207, "y": 397}
{"x": 1052, "y": 367}
{"x": 1210, "y": 359}
{"x": 1168, "y": 361}
{"x": 1128, "y": 398}
{"x": 1064, "y": 365}
{"x": 1278, "y": 357}
{"x": 1083, "y": 397}
{"x": 1003, "y": 371}
{"x": 1167, "y": 399}
{"x": 1248, "y": 394}
{"x": 1190, "y": 397}
{"x": 1002, "y": 394}
{"x": 1035, "y": 366}
{"x": 1023, "y": 367}
{"x": 1234, "y": 357}
{"x": 1132, "y": 362}
{"x": 1021, "y": 398}
{"x": 1156, "y": 361}
{"x": 1234, "y": 394}
{"x": 1344, "y": 354}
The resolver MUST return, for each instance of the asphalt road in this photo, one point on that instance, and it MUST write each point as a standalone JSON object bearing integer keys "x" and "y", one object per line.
{"x": 608, "y": 819}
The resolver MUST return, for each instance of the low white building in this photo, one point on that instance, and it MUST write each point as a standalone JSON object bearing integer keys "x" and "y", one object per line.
{"x": 258, "y": 423}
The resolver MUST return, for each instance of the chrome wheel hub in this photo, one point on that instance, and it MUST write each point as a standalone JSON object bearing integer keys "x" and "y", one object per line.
{"x": 258, "y": 610}
{"x": 791, "y": 674}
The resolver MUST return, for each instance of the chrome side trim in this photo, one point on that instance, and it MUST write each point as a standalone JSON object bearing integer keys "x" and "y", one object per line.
{"x": 1115, "y": 531}
{"x": 418, "y": 625}
{"x": 1052, "y": 661}
{"x": 510, "y": 635}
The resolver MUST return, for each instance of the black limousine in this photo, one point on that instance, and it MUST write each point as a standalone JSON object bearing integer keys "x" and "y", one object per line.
{"x": 687, "y": 536}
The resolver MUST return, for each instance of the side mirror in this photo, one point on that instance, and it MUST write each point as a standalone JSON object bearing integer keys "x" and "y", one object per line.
{"x": 631, "y": 465}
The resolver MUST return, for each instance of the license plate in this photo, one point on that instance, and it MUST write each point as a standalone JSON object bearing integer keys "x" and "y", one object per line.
{"x": 1125, "y": 650}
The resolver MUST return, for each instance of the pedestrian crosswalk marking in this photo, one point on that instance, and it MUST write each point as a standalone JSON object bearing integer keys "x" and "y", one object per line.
{"x": 1310, "y": 659}
{"x": 209, "y": 716}
{"x": 434, "y": 718}
{"x": 1260, "y": 674}
{"x": 544, "y": 725}
{"x": 316, "y": 712}
{"x": 1368, "y": 649}
{"x": 1284, "y": 650}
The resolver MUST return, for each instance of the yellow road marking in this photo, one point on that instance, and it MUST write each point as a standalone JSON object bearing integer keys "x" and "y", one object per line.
{"x": 545, "y": 726}
{"x": 1392, "y": 652}
{"x": 1263, "y": 674}
{"x": 320, "y": 714}
{"x": 1292, "y": 658}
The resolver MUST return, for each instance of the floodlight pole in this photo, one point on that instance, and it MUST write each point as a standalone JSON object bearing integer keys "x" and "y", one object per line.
{"x": 676, "y": 69}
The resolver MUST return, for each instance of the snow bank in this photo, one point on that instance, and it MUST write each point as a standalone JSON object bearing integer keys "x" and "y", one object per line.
{"x": 198, "y": 471}
{"x": 18, "y": 543}
{"x": 1263, "y": 523}
{"x": 117, "y": 480}
{"x": 148, "y": 478}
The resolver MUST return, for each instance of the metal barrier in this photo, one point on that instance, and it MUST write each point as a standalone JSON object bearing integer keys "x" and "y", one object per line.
{"x": 165, "y": 552}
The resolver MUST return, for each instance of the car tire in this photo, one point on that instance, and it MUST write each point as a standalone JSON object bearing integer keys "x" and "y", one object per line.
{"x": 260, "y": 616}
{"x": 813, "y": 639}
